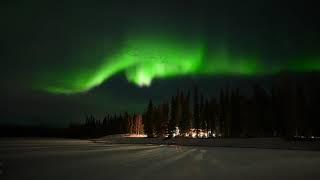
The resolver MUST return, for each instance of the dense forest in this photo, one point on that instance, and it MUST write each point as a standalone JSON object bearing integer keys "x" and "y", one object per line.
{"x": 290, "y": 108}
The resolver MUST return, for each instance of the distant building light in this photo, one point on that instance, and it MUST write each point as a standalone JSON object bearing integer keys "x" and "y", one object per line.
{"x": 194, "y": 135}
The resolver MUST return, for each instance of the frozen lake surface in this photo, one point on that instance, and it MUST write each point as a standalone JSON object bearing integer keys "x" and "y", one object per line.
{"x": 80, "y": 159}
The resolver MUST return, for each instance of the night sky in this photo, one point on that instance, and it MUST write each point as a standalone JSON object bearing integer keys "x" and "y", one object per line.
{"x": 63, "y": 60}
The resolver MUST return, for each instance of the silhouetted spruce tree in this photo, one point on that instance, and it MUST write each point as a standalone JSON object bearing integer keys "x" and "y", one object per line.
{"x": 222, "y": 113}
{"x": 227, "y": 113}
{"x": 188, "y": 113}
{"x": 314, "y": 105}
{"x": 213, "y": 115}
{"x": 157, "y": 120}
{"x": 179, "y": 106}
{"x": 196, "y": 111}
{"x": 125, "y": 124}
{"x": 172, "y": 120}
{"x": 235, "y": 114}
{"x": 277, "y": 113}
{"x": 317, "y": 115}
{"x": 160, "y": 119}
{"x": 164, "y": 118}
{"x": 185, "y": 124}
{"x": 148, "y": 121}
{"x": 285, "y": 94}
{"x": 262, "y": 111}
{"x": 301, "y": 112}
{"x": 206, "y": 115}
{"x": 104, "y": 122}
{"x": 202, "y": 113}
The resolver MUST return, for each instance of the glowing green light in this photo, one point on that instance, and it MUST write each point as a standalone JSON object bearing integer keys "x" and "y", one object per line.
{"x": 145, "y": 58}
{"x": 142, "y": 59}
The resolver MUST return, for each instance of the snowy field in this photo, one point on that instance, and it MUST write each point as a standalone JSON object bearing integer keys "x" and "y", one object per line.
{"x": 80, "y": 159}
{"x": 265, "y": 143}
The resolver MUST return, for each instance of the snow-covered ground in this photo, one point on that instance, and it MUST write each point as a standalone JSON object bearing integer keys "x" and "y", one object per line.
{"x": 39, "y": 159}
{"x": 266, "y": 143}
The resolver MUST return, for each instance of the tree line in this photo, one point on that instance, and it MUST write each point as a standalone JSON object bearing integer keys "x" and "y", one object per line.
{"x": 121, "y": 123}
{"x": 289, "y": 108}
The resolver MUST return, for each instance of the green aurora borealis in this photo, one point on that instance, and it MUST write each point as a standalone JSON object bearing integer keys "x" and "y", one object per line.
{"x": 62, "y": 60}
{"x": 149, "y": 57}
{"x": 149, "y": 43}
